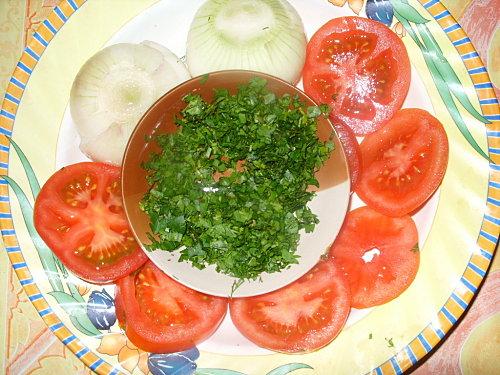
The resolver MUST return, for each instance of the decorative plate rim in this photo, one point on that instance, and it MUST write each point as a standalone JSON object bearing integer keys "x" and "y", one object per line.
{"x": 419, "y": 346}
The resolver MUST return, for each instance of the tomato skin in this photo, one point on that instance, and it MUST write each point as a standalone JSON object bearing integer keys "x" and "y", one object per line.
{"x": 351, "y": 150}
{"x": 360, "y": 68}
{"x": 403, "y": 163}
{"x": 64, "y": 228}
{"x": 162, "y": 295}
{"x": 390, "y": 272}
{"x": 301, "y": 317}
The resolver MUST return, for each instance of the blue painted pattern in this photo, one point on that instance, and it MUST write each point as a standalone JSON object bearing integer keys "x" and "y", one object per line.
{"x": 459, "y": 42}
{"x": 42, "y": 41}
{"x": 60, "y": 14}
{"x": 424, "y": 343}
{"x": 50, "y": 27}
{"x": 459, "y": 300}
{"x": 451, "y": 28}
{"x": 396, "y": 367}
{"x": 468, "y": 284}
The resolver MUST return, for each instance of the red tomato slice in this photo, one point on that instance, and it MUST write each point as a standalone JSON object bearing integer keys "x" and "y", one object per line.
{"x": 301, "y": 317}
{"x": 160, "y": 315}
{"x": 403, "y": 163}
{"x": 360, "y": 68}
{"x": 377, "y": 254}
{"x": 351, "y": 149}
{"x": 79, "y": 215}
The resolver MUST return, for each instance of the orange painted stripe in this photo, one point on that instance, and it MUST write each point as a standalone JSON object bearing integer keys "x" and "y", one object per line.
{"x": 490, "y": 228}
{"x": 485, "y": 244}
{"x": 487, "y": 93}
{"x": 37, "y": 48}
{"x": 442, "y": 322}
{"x": 430, "y": 336}
{"x": 75, "y": 346}
{"x": 472, "y": 277}
{"x": 23, "y": 273}
{"x": 480, "y": 262}
{"x": 463, "y": 49}
{"x": 490, "y": 109}
{"x": 455, "y": 34}
{"x": 21, "y": 75}
{"x": 434, "y": 9}
{"x": 28, "y": 60}
{"x": 10, "y": 107}
{"x": 16, "y": 257}
{"x": 55, "y": 21}
{"x": 14, "y": 91}
{"x": 472, "y": 64}
{"x": 45, "y": 33}
{"x": 40, "y": 304}
{"x": 31, "y": 289}
{"x": 66, "y": 9}
{"x": 6, "y": 223}
{"x": 417, "y": 348}
{"x": 453, "y": 308}
{"x": 387, "y": 368}
{"x": 10, "y": 241}
{"x": 3, "y": 122}
{"x": 51, "y": 319}
{"x": 4, "y": 142}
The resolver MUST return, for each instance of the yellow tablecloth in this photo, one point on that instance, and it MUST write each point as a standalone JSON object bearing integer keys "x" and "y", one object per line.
{"x": 28, "y": 347}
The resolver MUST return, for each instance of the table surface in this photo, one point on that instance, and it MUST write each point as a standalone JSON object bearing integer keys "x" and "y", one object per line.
{"x": 28, "y": 347}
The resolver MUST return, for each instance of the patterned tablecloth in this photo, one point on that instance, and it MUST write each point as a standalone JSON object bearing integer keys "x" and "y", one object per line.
{"x": 28, "y": 347}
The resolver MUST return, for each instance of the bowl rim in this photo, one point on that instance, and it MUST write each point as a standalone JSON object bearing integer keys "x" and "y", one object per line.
{"x": 246, "y": 75}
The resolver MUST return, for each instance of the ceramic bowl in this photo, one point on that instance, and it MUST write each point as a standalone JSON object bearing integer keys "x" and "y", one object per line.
{"x": 330, "y": 203}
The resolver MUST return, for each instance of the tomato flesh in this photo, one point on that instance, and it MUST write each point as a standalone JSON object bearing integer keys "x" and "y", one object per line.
{"x": 301, "y": 317}
{"x": 403, "y": 163}
{"x": 378, "y": 255}
{"x": 360, "y": 68}
{"x": 79, "y": 214}
{"x": 351, "y": 150}
{"x": 160, "y": 315}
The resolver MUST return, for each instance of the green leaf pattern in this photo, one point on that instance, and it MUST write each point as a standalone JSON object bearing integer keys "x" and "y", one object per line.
{"x": 72, "y": 303}
{"x": 445, "y": 78}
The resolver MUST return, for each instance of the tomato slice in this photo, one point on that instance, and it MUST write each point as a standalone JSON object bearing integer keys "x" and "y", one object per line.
{"x": 301, "y": 317}
{"x": 160, "y": 315}
{"x": 403, "y": 163}
{"x": 79, "y": 215}
{"x": 378, "y": 255}
{"x": 360, "y": 68}
{"x": 351, "y": 149}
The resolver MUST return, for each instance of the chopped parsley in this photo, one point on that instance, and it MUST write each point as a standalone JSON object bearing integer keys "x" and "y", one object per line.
{"x": 230, "y": 187}
{"x": 390, "y": 343}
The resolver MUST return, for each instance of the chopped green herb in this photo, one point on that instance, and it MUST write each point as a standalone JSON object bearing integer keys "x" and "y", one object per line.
{"x": 370, "y": 336}
{"x": 390, "y": 344}
{"x": 415, "y": 248}
{"x": 230, "y": 187}
{"x": 236, "y": 285}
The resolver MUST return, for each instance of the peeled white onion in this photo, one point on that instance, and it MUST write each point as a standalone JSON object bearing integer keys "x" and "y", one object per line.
{"x": 262, "y": 35}
{"x": 112, "y": 91}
